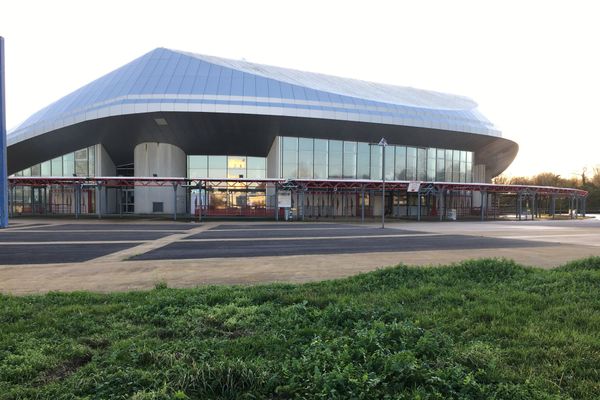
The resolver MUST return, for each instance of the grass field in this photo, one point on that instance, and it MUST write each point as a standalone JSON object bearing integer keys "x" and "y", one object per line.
{"x": 487, "y": 329}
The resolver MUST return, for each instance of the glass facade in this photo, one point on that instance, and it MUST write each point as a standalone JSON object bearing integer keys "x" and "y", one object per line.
{"x": 78, "y": 163}
{"x": 226, "y": 167}
{"x": 336, "y": 159}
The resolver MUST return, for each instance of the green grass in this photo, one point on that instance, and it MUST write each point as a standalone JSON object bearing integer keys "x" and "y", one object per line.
{"x": 487, "y": 329}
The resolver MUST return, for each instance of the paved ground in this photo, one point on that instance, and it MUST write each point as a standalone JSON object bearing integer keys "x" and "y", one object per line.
{"x": 42, "y": 255}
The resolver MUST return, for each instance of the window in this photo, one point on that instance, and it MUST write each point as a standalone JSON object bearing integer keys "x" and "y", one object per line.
{"x": 431, "y": 159}
{"x": 440, "y": 173}
{"x": 257, "y": 167}
{"x": 363, "y": 161}
{"x": 449, "y": 163}
{"x": 81, "y": 162}
{"x": 57, "y": 166}
{"x": 389, "y": 162}
{"x": 217, "y": 166}
{"x": 421, "y": 164}
{"x": 289, "y": 159}
{"x": 68, "y": 164}
{"x": 321, "y": 159}
{"x": 305, "y": 158}
{"x": 400, "y": 168}
{"x": 46, "y": 169}
{"x": 375, "y": 162}
{"x": 349, "y": 160}
{"x": 197, "y": 166}
{"x": 411, "y": 163}
{"x": 236, "y": 167}
{"x": 335, "y": 159}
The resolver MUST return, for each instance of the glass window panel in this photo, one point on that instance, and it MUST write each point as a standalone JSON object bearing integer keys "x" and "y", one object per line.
{"x": 57, "y": 166}
{"x": 375, "y": 162}
{"x": 448, "y": 175}
{"x": 389, "y": 162}
{"x": 69, "y": 164}
{"x": 290, "y": 143}
{"x": 289, "y": 159}
{"x": 81, "y": 162}
{"x": 431, "y": 159}
{"x": 256, "y": 167}
{"x": 36, "y": 170}
{"x": 321, "y": 159}
{"x": 421, "y": 164}
{"x": 349, "y": 160}
{"x": 198, "y": 162}
{"x": 400, "y": 168}
{"x": 456, "y": 165}
{"x": 463, "y": 166}
{"x": 411, "y": 163}
{"x": 335, "y": 158}
{"x": 305, "y": 158}
{"x": 440, "y": 166}
{"x": 46, "y": 168}
{"x": 469, "y": 172}
{"x": 197, "y": 173}
{"x": 256, "y": 162}
{"x": 236, "y": 167}
{"x": 362, "y": 161}
{"x": 92, "y": 160}
{"x": 217, "y": 166}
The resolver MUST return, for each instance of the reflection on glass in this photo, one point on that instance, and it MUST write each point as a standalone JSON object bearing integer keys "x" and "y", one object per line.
{"x": 375, "y": 162}
{"x": 362, "y": 163}
{"x": 349, "y": 160}
{"x": 335, "y": 159}
{"x": 69, "y": 164}
{"x": 400, "y": 168}
{"x": 411, "y": 163}
{"x": 305, "y": 158}
{"x": 431, "y": 159}
{"x": 289, "y": 159}
{"x": 389, "y": 162}
{"x": 421, "y": 164}
{"x": 321, "y": 159}
{"x": 440, "y": 166}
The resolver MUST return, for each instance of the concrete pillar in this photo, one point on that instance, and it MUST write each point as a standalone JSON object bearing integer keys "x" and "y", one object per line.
{"x": 164, "y": 161}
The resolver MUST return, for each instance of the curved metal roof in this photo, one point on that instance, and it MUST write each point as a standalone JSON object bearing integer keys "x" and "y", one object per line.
{"x": 166, "y": 80}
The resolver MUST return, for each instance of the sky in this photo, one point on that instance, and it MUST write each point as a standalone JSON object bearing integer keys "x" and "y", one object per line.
{"x": 532, "y": 66}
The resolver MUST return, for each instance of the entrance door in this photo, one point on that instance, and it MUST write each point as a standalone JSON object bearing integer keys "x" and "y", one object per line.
{"x": 127, "y": 200}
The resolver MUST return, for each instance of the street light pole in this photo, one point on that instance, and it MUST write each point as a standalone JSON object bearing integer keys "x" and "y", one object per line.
{"x": 3, "y": 144}
{"x": 383, "y": 144}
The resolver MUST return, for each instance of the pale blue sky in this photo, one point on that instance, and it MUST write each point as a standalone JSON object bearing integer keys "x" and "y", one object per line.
{"x": 533, "y": 66}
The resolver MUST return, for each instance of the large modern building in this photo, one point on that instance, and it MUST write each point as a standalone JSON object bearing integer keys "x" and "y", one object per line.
{"x": 182, "y": 115}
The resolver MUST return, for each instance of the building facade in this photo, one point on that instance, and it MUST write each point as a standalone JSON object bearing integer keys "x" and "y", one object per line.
{"x": 182, "y": 115}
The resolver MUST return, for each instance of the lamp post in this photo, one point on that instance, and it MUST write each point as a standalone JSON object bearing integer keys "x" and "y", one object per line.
{"x": 383, "y": 144}
{"x": 3, "y": 167}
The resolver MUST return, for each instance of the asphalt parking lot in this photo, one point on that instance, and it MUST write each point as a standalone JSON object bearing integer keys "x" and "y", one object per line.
{"x": 52, "y": 254}
{"x": 301, "y": 239}
{"x": 67, "y": 243}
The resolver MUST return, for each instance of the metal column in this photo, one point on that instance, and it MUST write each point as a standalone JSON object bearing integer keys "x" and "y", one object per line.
{"x": 3, "y": 167}
{"x": 362, "y": 205}
{"x": 99, "y": 202}
{"x": 419, "y": 204}
{"x": 519, "y": 205}
{"x": 276, "y": 203}
{"x": 483, "y": 198}
{"x": 175, "y": 202}
{"x": 441, "y": 205}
